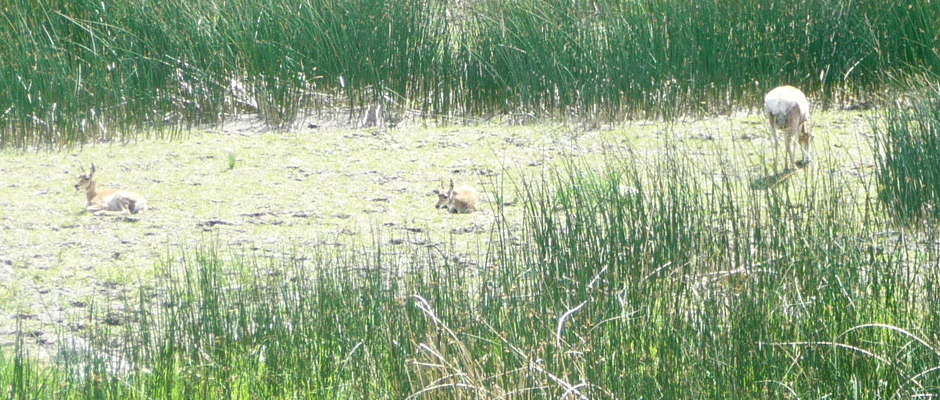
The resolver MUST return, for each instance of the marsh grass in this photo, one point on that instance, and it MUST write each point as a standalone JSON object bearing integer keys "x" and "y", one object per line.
{"x": 630, "y": 280}
{"x": 88, "y": 71}
{"x": 907, "y": 144}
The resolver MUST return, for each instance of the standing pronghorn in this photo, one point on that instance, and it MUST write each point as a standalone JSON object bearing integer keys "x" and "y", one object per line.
{"x": 788, "y": 109}
{"x": 111, "y": 201}
{"x": 462, "y": 200}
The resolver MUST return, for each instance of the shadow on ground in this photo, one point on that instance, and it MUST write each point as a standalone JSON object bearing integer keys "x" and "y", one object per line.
{"x": 770, "y": 181}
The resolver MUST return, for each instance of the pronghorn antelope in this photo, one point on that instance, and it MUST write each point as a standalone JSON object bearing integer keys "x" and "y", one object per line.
{"x": 111, "y": 201}
{"x": 788, "y": 110}
{"x": 461, "y": 200}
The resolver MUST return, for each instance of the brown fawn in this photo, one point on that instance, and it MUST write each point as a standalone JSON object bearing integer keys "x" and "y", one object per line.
{"x": 111, "y": 201}
{"x": 462, "y": 200}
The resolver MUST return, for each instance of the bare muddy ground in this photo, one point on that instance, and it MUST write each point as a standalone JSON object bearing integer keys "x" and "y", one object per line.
{"x": 332, "y": 185}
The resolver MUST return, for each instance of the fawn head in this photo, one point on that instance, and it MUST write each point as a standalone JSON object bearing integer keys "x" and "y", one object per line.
{"x": 806, "y": 133}
{"x": 443, "y": 198}
{"x": 86, "y": 179}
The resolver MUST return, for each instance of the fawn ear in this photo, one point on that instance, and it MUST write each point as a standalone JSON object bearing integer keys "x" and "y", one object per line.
{"x": 451, "y": 185}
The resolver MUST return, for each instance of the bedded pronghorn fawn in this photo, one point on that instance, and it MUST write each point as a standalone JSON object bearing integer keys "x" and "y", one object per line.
{"x": 787, "y": 109}
{"x": 462, "y": 200}
{"x": 111, "y": 201}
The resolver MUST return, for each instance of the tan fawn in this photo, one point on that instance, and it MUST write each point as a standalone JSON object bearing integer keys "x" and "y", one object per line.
{"x": 111, "y": 201}
{"x": 787, "y": 109}
{"x": 462, "y": 200}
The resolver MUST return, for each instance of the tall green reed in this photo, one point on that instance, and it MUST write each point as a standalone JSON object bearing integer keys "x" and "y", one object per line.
{"x": 907, "y": 141}
{"x": 18, "y": 375}
{"x": 87, "y": 71}
{"x": 682, "y": 286}
{"x": 666, "y": 59}
{"x": 246, "y": 327}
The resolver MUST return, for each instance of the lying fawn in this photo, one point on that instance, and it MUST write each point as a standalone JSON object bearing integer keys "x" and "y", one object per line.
{"x": 788, "y": 109}
{"x": 111, "y": 201}
{"x": 462, "y": 200}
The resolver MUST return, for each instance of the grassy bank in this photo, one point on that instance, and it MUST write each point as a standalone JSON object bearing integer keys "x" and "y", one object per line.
{"x": 629, "y": 280}
{"x": 84, "y": 71}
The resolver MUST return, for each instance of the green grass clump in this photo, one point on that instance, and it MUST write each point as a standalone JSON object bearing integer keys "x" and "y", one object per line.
{"x": 907, "y": 146}
{"x": 18, "y": 374}
{"x": 231, "y": 159}
{"x": 669, "y": 279}
{"x": 277, "y": 331}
